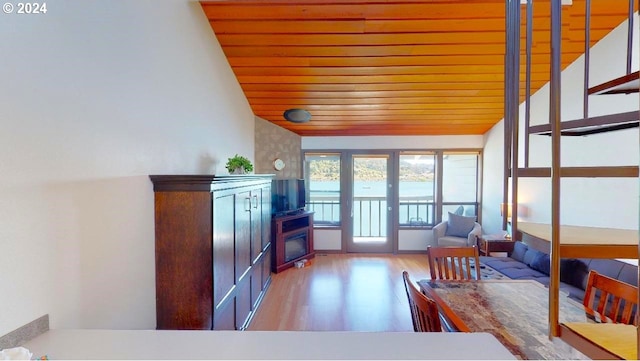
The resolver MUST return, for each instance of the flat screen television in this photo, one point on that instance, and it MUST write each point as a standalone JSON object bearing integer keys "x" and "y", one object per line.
{"x": 287, "y": 196}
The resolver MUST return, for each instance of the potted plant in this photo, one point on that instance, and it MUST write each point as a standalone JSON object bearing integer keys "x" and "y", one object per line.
{"x": 239, "y": 165}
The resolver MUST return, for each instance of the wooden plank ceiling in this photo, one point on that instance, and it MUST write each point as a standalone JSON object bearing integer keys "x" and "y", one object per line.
{"x": 386, "y": 67}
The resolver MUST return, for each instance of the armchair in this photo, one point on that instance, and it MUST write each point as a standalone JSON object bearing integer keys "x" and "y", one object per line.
{"x": 458, "y": 231}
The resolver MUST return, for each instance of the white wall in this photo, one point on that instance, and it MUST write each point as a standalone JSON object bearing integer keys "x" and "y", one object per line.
{"x": 415, "y": 240}
{"x": 492, "y": 179}
{"x": 95, "y": 96}
{"x": 598, "y": 202}
{"x": 327, "y": 239}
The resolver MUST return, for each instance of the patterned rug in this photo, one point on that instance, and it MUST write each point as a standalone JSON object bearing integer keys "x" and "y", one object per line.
{"x": 488, "y": 273}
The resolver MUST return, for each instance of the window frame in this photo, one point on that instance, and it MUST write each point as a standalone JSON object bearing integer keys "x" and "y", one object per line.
{"x": 478, "y": 185}
{"x": 318, "y": 223}
{"x": 433, "y": 203}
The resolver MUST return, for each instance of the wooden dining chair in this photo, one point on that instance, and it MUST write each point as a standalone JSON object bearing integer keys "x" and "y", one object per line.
{"x": 616, "y": 300}
{"x": 454, "y": 263}
{"x": 424, "y": 310}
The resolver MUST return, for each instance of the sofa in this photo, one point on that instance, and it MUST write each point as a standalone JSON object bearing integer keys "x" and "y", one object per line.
{"x": 527, "y": 263}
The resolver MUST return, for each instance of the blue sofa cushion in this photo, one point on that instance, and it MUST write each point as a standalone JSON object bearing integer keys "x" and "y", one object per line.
{"x": 523, "y": 274}
{"x": 542, "y": 263}
{"x": 606, "y": 267}
{"x": 575, "y": 293}
{"x": 507, "y": 263}
{"x": 544, "y": 280}
{"x": 459, "y": 226}
{"x": 519, "y": 250}
{"x": 629, "y": 274}
{"x": 574, "y": 272}
{"x": 530, "y": 255}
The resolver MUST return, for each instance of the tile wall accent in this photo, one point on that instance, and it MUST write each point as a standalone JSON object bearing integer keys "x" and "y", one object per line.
{"x": 271, "y": 142}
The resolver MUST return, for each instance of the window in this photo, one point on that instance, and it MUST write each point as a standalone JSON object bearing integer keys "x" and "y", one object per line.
{"x": 322, "y": 176}
{"x": 416, "y": 187}
{"x": 426, "y": 186}
{"x": 459, "y": 183}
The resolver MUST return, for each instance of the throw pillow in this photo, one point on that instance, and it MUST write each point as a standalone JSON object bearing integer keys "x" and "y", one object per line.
{"x": 574, "y": 272}
{"x": 530, "y": 255}
{"x": 519, "y": 250}
{"x": 542, "y": 263}
{"x": 459, "y": 226}
{"x": 459, "y": 211}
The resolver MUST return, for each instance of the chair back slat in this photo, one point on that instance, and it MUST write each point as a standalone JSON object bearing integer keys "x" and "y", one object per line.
{"x": 454, "y": 263}
{"x": 617, "y": 300}
{"x": 424, "y": 311}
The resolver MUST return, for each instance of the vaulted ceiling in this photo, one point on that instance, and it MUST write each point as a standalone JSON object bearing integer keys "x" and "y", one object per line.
{"x": 387, "y": 67}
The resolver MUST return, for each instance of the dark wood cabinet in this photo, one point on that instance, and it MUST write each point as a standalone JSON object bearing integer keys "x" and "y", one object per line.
{"x": 213, "y": 249}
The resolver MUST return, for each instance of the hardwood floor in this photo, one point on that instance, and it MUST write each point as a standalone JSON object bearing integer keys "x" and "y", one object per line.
{"x": 342, "y": 292}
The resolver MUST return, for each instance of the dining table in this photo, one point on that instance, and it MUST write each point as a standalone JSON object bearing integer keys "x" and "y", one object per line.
{"x": 516, "y": 312}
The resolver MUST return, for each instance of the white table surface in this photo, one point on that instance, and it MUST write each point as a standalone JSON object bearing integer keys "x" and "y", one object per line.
{"x": 276, "y": 345}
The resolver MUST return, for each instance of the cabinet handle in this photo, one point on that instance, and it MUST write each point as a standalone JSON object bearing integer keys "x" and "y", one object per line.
{"x": 255, "y": 204}
{"x": 247, "y": 204}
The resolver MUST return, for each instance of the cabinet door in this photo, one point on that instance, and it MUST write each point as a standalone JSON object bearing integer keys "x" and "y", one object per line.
{"x": 256, "y": 224}
{"x": 243, "y": 233}
{"x": 266, "y": 216}
{"x": 225, "y": 317}
{"x": 266, "y": 267}
{"x": 256, "y": 283}
{"x": 223, "y": 246}
{"x": 243, "y": 303}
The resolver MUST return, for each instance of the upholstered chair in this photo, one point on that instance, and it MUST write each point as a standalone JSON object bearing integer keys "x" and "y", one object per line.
{"x": 459, "y": 231}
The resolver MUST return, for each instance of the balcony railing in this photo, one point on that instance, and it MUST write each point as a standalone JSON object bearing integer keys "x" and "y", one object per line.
{"x": 327, "y": 210}
{"x": 369, "y": 213}
{"x": 417, "y": 211}
{"x": 369, "y": 216}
